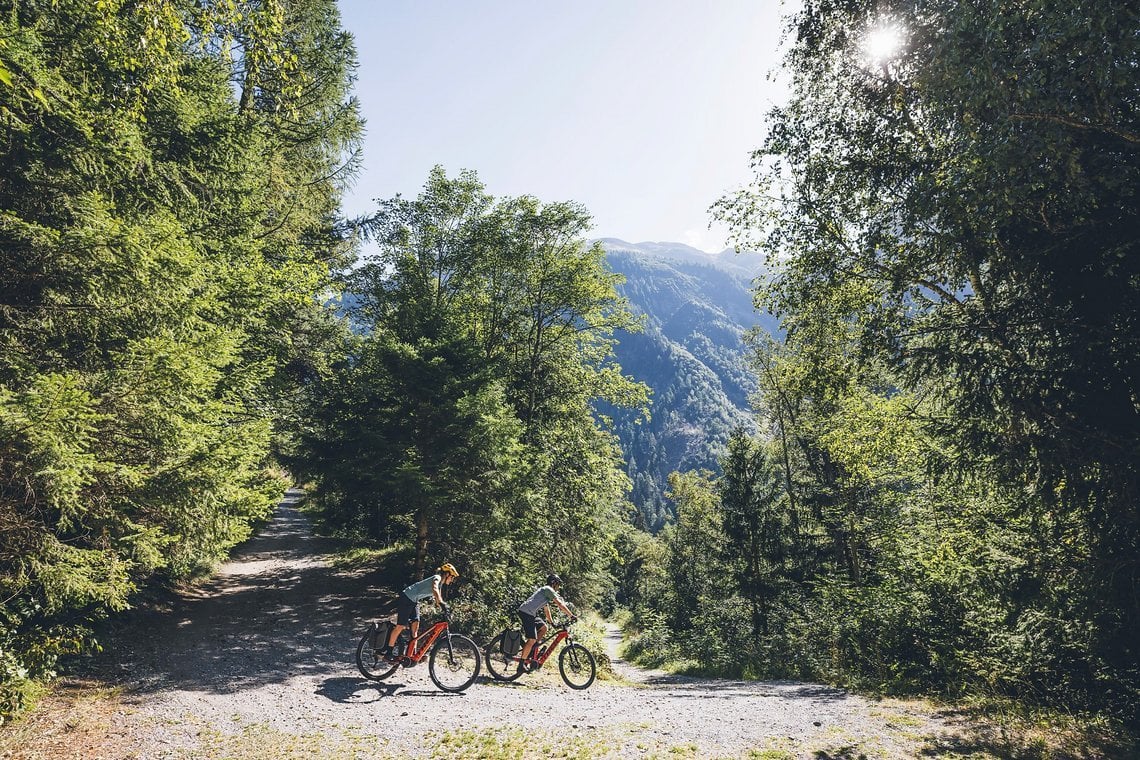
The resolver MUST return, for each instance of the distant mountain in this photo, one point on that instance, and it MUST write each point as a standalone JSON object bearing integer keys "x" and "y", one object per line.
{"x": 697, "y": 308}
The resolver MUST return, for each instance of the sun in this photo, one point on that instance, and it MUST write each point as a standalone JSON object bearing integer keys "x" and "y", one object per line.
{"x": 883, "y": 43}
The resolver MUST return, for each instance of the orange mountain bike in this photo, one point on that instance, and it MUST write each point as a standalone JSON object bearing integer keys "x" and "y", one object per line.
{"x": 453, "y": 659}
{"x": 575, "y": 662}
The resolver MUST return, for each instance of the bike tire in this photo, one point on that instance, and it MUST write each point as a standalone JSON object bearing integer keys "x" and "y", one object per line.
{"x": 577, "y": 666}
{"x": 454, "y": 663}
{"x": 370, "y": 662}
{"x": 500, "y": 666}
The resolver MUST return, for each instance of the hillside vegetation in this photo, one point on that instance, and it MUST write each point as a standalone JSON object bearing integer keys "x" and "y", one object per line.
{"x": 944, "y": 491}
{"x": 697, "y": 309}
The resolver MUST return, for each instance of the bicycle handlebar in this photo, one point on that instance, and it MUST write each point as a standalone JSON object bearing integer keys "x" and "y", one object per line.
{"x": 566, "y": 622}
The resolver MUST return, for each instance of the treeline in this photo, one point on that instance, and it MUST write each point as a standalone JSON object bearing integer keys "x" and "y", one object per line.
{"x": 170, "y": 176}
{"x": 945, "y": 495}
{"x": 461, "y": 418}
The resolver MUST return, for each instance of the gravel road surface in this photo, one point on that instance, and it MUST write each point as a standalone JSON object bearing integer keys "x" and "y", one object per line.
{"x": 259, "y": 663}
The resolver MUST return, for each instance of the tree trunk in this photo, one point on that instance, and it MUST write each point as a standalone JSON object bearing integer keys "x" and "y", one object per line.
{"x": 421, "y": 541}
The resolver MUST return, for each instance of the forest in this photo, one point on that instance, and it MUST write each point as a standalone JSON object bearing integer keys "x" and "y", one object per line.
{"x": 939, "y": 494}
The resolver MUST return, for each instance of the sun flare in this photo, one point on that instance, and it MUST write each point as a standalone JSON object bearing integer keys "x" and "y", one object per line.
{"x": 883, "y": 43}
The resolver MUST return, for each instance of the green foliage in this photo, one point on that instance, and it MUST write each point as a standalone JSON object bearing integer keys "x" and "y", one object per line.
{"x": 761, "y": 532}
{"x": 951, "y": 423}
{"x": 696, "y": 548}
{"x": 161, "y": 239}
{"x": 461, "y": 419}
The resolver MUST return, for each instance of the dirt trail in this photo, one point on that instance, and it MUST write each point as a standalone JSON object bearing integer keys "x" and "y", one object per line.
{"x": 259, "y": 663}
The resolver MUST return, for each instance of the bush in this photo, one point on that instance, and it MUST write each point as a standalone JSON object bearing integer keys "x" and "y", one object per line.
{"x": 722, "y": 641}
{"x": 649, "y": 640}
{"x": 28, "y": 657}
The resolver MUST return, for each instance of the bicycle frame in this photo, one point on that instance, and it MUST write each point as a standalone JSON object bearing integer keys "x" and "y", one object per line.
{"x": 421, "y": 645}
{"x": 560, "y": 635}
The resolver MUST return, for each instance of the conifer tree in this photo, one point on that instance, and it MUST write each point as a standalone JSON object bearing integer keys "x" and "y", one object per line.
{"x": 160, "y": 240}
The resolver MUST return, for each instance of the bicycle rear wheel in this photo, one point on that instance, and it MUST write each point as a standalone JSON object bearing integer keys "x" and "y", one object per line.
{"x": 577, "y": 667}
{"x": 501, "y": 666}
{"x": 454, "y": 662}
{"x": 370, "y": 662}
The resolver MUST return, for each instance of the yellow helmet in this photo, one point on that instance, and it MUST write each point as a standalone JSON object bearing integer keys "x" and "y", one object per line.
{"x": 449, "y": 568}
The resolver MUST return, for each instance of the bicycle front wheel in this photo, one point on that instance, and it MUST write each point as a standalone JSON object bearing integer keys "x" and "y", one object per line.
{"x": 577, "y": 667}
{"x": 502, "y": 667}
{"x": 454, "y": 663}
{"x": 370, "y": 662}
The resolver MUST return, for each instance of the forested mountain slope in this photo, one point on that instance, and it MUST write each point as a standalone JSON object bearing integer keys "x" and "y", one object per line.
{"x": 697, "y": 307}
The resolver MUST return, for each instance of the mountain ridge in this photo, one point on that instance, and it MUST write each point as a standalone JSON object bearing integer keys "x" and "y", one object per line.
{"x": 693, "y": 355}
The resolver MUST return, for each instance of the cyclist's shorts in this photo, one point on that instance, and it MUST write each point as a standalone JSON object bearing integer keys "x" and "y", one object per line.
{"x": 407, "y": 611}
{"x": 530, "y": 625}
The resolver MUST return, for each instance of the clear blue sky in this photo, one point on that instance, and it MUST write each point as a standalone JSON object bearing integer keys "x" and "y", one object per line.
{"x": 645, "y": 111}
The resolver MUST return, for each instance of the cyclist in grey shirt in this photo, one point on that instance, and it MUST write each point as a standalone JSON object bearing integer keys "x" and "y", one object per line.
{"x": 533, "y": 628}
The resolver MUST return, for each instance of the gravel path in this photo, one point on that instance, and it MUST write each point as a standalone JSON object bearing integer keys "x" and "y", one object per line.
{"x": 259, "y": 663}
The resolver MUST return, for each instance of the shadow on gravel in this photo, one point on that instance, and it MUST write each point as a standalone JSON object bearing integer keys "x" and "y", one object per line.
{"x": 843, "y": 753}
{"x": 276, "y": 612}
{"x": 972, "y": 738}
{"x": 348, "y": 690}
{"x": 357, "y": 690}
{"x": 687, "y": 686}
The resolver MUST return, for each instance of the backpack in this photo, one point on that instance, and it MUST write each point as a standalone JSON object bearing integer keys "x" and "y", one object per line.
{"x": 512, "y": 643}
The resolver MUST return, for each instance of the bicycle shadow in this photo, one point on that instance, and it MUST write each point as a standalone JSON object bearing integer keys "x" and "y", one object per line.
{"x": 351, "y": 690}
{"x": 356, "y": 691}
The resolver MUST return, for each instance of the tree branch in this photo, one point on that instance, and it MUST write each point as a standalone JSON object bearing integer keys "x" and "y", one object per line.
{"x": 1069, "y": 121}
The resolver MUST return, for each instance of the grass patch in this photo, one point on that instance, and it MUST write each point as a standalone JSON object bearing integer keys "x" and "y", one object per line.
{"x": 838, "y": 745}
{"x": 514, "y": 743}
{"x": 255, "y": 741}
{"x": 575, "y": 744}
{"x": 72, "y": 716}
{"x": 1004, "y": 728}
{"x": 771, "y": 754}
{"x": 366, "y": 558}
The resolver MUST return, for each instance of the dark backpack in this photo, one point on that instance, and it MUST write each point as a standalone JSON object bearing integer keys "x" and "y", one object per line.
{"x": 512, "y": 643}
